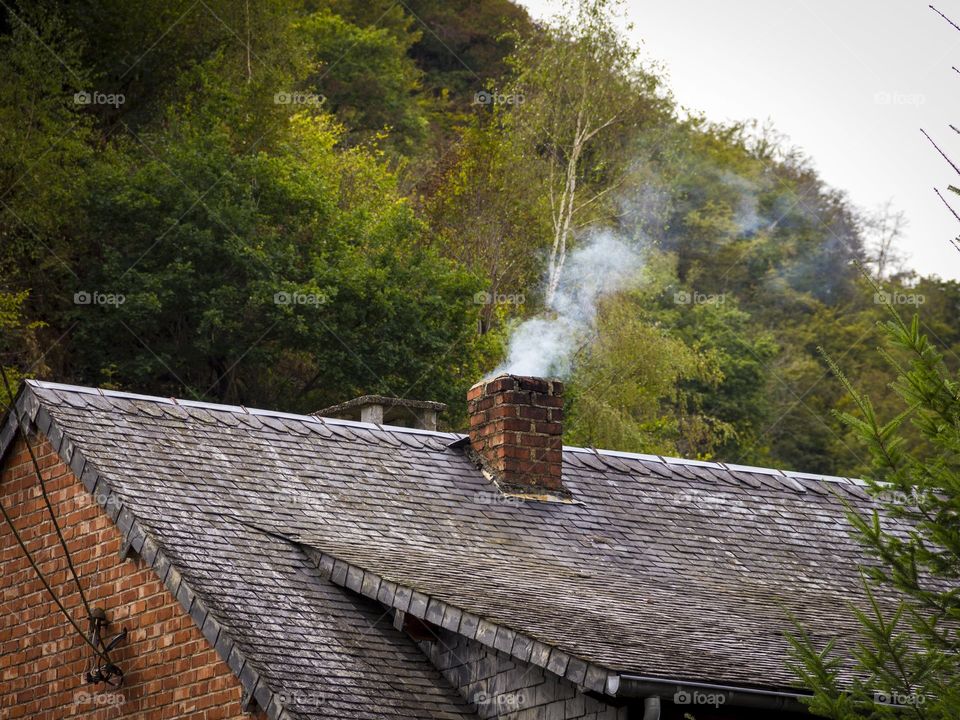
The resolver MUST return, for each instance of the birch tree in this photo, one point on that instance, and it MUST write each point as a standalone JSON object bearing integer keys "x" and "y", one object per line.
{"x": 579, "y": 93}
{"x": 884, "y": 229}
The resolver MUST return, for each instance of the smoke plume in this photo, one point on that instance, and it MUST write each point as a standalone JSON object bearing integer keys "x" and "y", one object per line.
{"x": 544, "y": 346}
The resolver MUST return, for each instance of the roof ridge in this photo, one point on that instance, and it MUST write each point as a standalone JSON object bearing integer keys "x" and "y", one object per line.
{"x": 240, "y": 409}
{"x": 732, "y": 467}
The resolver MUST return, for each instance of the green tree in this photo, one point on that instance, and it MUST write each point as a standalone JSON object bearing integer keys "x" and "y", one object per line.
{"x": 749, "y": 221}
{"x": 18, "y": 343}
{"x": 626, "y": 381}
{"x": 143, "y": 50}
{"x": 729, "y": 410}
{"x": 909, "y": 647}
{"x": 635, "y": 382}
{"x": 293, "y": 277}
{"x": 464, "y": 44}
{"x": 45, "y": 154}
{"x": 364, "y": 74}
{"x": 488, "y": 215}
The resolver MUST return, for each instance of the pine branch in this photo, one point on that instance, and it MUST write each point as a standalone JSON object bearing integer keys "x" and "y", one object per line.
{"x": 945, "y": 18}
{"x": 940, "y": 151}
{"x": 939, "y": 195}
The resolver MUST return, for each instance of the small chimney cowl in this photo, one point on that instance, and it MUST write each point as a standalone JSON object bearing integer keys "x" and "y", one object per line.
{"x": 516, "y": 432}
{"x": 382, "y": 410}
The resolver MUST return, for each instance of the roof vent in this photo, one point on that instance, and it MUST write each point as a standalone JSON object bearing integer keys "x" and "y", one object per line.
{"x": 384, "y": 410}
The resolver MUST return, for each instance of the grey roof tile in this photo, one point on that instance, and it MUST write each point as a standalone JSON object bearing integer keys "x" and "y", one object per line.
{"x": 256, "y": 597}
{"x": 668, "y": 568}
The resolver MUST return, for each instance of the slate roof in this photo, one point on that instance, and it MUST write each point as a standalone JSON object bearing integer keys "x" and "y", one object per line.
{"x": 283, "y": 523}
{"x": 299, "y": 643}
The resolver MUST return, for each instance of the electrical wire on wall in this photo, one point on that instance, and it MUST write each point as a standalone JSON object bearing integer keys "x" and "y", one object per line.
{"x": 105, "y": 671}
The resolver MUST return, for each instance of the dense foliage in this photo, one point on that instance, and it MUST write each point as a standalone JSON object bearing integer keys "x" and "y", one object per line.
{"x": 906, "y": 660}
{"x": 291, "y": 203}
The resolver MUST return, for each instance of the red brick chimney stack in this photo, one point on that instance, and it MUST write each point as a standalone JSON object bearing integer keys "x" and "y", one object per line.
{"x": 516, "y": 426}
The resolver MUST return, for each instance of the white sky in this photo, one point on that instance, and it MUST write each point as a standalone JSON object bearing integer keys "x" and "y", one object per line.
{"x": 850, "y": 82}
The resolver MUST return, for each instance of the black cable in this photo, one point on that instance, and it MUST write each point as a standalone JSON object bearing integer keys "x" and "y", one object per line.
{"x": 99, "y": 651}
{"x": 43, "y": 490}
{"x": 36, "y": 569}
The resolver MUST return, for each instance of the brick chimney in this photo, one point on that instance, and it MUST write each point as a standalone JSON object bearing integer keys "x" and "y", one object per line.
{"x": 516, "y": 428}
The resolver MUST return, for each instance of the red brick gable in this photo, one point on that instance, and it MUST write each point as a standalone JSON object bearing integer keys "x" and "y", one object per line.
{"x": 171, "y": 670}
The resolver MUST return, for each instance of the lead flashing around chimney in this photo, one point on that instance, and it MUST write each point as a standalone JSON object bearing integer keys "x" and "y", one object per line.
{"x": 491, "y": 476}
{"x": 509, "y": 491}
{"x": 425, "y": 607}
{"x": 141, "y": 542}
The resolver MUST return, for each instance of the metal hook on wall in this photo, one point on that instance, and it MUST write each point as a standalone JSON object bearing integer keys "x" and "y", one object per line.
{"x": 105, "y": 671}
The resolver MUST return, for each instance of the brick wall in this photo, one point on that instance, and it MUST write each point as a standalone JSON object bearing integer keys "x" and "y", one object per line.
{"x": 170, "y": 669}
{"x": 502, "y": 687}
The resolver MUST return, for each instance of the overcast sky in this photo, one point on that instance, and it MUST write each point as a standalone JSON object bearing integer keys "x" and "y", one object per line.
{"x": 851, "y": 83}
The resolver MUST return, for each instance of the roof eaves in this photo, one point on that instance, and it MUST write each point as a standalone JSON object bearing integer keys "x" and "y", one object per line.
{"x": 455, "y": 619}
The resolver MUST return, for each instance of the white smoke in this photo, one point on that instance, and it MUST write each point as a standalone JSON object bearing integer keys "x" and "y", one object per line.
{"x": 746, "y": 214}
{"x": 544, "y": 346}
